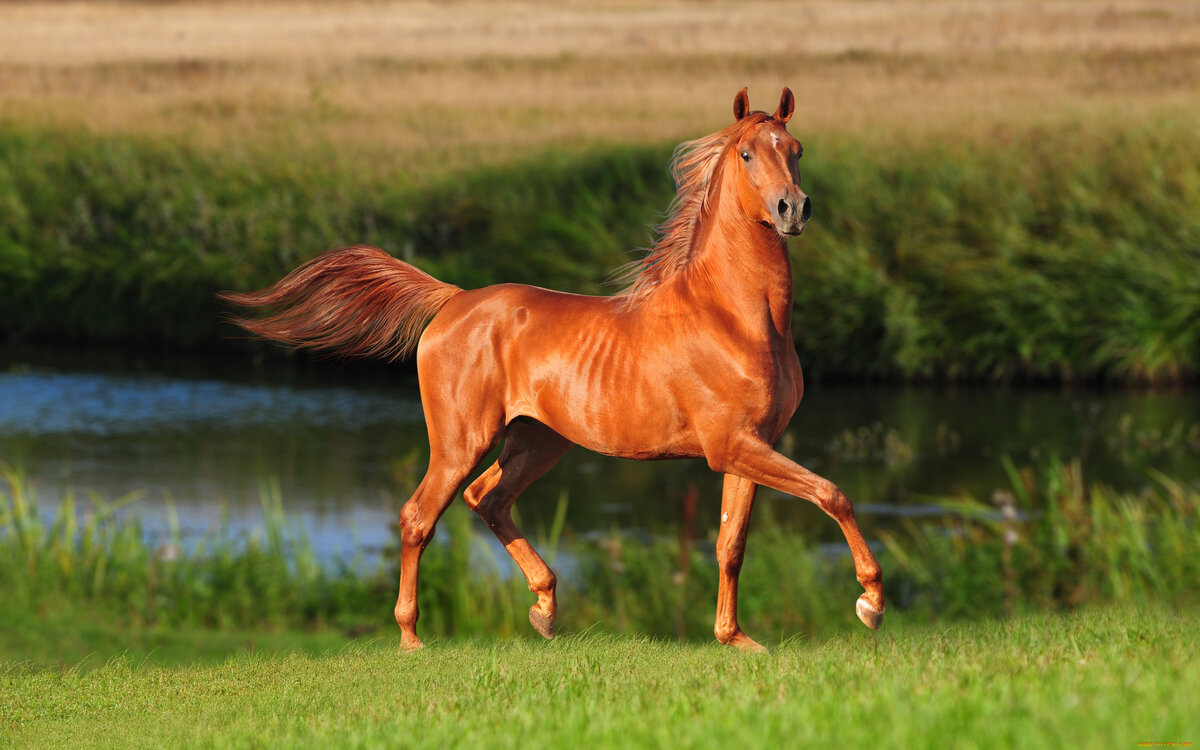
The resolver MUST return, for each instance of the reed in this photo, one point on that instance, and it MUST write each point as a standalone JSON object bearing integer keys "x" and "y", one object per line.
{"x": 83, "y": 554}
{"x": 1062, "y": 543}
{"x": 1056, "y": 541}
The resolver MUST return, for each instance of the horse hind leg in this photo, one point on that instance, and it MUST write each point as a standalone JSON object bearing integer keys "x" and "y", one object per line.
{"x": 530, "y": 449}
{"x": 418, "y": 518}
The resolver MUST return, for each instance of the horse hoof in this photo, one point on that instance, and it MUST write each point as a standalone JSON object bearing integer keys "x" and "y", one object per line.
{"x": 541, "y": 623}
{"x": 743, "y": 642}
{"x": 866, "y": 612}
{"x": 408, "y": 645}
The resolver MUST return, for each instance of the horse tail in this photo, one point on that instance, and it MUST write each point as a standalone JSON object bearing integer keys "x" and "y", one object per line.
{"x": 357, "y": 302}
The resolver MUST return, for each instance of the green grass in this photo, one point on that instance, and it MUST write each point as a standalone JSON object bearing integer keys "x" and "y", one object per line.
{"x": 1081, "y": 630}
{"x": 1059, "y": 252}
{"x": 71, "y": 635}
{"x": 86, "y": 557}
{"x": 79, "y": 583}
{"x": 1093, "y": 678}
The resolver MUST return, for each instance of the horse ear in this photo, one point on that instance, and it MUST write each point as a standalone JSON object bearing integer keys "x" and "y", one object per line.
{"x": 741, "y": 104}
{"x": 787, "y": 105}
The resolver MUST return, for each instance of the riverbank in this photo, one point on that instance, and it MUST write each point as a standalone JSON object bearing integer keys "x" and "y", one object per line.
{"x": 1064, "y": 253}
{"x": 1055, "y": 542}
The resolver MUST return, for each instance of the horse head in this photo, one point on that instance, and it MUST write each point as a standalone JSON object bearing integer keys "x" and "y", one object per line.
{"x": 768, "y": 170}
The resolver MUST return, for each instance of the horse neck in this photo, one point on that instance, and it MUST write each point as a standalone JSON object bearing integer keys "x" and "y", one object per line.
{"x": 742, "y": 266}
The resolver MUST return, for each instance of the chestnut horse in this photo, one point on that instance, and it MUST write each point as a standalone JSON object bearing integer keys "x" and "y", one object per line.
{"x": 693, "y": 359}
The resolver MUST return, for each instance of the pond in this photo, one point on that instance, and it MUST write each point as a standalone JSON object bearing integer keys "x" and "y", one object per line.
{"x": 346, "y": 444}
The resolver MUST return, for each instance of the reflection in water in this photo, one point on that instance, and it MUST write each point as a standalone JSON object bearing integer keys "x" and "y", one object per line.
{"x": 348, "y": 445}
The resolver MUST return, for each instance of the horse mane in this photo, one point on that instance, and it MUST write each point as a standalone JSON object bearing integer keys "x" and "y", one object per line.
{"x": 693, "y": 167}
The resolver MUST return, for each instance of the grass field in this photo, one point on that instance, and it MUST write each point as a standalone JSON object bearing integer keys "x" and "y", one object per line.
{"x": 1095, "y": 678}
{"x": 104, "y": 642}
{"x": 418, "y": 87}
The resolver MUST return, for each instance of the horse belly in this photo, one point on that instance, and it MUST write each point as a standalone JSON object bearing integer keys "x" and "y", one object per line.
{"x": 625, "y": 427}
{"x": 604, "y": 394}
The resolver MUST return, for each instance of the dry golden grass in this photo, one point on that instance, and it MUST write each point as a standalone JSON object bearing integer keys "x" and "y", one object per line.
{"x": 430, "y": 85}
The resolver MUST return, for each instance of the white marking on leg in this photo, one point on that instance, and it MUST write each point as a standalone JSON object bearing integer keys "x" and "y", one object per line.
{"x": 724, "y": 516}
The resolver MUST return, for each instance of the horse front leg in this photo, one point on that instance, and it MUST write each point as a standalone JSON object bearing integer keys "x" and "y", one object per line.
{"x": 756, "y": 461}
{"x": 737, "y": 500}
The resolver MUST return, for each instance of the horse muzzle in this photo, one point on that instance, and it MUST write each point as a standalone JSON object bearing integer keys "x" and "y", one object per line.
{"x": 791, "y": 213}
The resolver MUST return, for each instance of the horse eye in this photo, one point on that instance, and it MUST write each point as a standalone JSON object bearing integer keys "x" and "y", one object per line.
{"x": 745, "y": 156}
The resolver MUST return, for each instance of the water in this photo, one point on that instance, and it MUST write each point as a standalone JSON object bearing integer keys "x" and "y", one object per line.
{"x": 347, "y": 445}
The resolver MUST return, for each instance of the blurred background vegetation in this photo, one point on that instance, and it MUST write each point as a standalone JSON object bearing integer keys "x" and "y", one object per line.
{"x": 1001, "y": 190}
{"x": 79, "y": 584}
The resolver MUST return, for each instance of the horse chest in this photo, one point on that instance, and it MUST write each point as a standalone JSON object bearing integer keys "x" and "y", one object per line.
{"x": 756, "y": 384}
{"x": 779, "y": 392}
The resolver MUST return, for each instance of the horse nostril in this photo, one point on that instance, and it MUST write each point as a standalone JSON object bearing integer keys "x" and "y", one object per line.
{"x": 806, "y": 210}
{"x": 784, "y": 208}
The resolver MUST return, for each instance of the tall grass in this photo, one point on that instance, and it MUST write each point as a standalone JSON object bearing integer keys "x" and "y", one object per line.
{"x": 1056, "y": 541}
{"x": 1063, "y": 252}
{"x": 84, "y": 554}
{"x": 1049, "y": 253}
